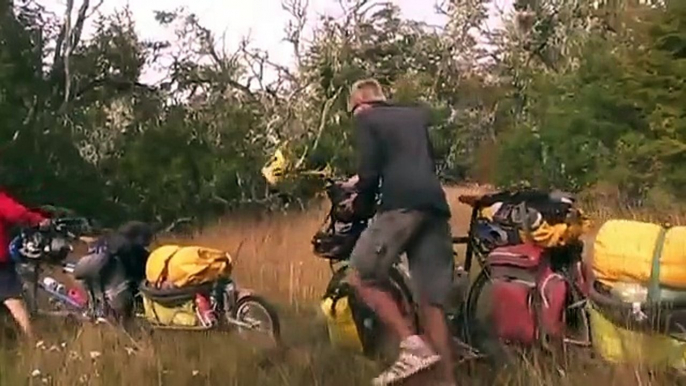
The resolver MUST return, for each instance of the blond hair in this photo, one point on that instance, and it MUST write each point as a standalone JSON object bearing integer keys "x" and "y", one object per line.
{"x": 364, "y": 91}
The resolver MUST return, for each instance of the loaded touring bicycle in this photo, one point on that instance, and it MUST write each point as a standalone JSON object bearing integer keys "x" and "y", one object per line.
{"x": 226, "y": 305}
{"x": 541, "y": 282}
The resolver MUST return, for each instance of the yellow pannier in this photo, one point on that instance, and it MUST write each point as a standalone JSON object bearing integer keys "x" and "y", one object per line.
{"x": 183, "y": 315}
{"x": 341, "y": 325}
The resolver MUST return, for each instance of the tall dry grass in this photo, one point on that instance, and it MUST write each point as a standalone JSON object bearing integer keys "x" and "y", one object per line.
{"x": 273, "y": 256}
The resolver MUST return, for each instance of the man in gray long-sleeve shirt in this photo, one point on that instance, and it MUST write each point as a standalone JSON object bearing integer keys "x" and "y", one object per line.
{"x": 394, "y": 149}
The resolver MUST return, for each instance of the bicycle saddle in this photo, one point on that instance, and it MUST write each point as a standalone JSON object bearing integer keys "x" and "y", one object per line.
{"x": 470, "y": 199}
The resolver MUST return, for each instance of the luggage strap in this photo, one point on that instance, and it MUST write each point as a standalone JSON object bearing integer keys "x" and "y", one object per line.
{"x": 654, "y": 288}
{"x": 165, "y": 269}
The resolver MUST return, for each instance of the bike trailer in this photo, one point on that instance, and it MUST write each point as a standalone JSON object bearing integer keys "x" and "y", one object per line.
{"x": 172, "y": 307}
{"x": 618, "y": 343}
{"x": 182, "y": 315}
{"x": 638, "y": 298}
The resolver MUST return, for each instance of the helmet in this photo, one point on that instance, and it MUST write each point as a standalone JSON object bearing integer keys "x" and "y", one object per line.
{"x": 24, "y": 247}
{"x": 36, "y": 246}
{"x": 490, "y": 235}
{"x": 360, "y": 207}
{"x": 336, "y": 243}
{"x": 333, "y": 246}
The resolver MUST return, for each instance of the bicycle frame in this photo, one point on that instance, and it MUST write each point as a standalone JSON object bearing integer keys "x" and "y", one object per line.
{"x": 469, "y": 240}
{"x": 38, "y": 285}
{"x": 335, "y": 265}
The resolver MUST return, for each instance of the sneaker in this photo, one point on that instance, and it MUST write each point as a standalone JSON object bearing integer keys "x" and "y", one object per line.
{"x": 414, "y": 357}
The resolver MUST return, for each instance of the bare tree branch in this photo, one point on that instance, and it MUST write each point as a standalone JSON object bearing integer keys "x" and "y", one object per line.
{"x": 208, "y": 42}
{"x": 68, "y": 38}
{"x": 322, "y": 124}
{"x": 80, "y": 21}
{"x": 325, "y": 115}
{"x": 294, "y": 30}
{"x": 95, "y": 9}
{"x": 57, "y": 57}
{"x": 67, "y": 53}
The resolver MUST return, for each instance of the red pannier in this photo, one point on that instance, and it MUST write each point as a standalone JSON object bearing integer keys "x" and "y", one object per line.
{"x": 528, "y": 298}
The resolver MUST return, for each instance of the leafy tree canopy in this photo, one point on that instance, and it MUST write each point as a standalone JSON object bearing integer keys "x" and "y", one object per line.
{"x": 567, "y": 94}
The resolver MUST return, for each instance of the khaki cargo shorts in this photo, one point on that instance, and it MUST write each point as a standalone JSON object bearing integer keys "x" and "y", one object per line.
{"x": 424, "y": 237}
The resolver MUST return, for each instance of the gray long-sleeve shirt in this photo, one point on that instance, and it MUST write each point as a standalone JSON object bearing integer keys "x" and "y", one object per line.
{"x": 393, "y": 148}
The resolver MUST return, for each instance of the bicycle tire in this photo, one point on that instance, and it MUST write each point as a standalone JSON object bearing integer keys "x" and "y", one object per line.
{"x": 30, "y": 299}
{"x": 399, "y": 280}
{"x": 480, "y": 334}
{"x": 268, "y": 309}
{"x": 473, "y": 295}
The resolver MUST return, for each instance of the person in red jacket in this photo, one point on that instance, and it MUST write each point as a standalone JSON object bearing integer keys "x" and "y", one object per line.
{"x": 13, "y": 213}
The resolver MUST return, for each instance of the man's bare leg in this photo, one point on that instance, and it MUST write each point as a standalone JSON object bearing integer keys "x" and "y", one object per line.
{"x": 433, "y": 319}
{"x": 383, "y": 305}
{"x": 415, "y": 354}
{"x": 21, "y": 315}
{"x": 378, "y": 247}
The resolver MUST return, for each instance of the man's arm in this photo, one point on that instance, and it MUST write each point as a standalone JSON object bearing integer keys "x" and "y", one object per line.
{"x": 432, "y": 153}
{"x": 367, "y": 157}
{"x": 14, "y": 213}
{"x": 426, "y": 112}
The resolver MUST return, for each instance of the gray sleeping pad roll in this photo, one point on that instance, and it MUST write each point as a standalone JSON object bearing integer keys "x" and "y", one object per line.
{"x": 101, "y": 270}
{"x": 91, "y": 267}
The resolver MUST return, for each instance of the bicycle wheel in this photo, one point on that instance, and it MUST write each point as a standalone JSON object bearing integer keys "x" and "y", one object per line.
{"x": 404, "y": 298}
{"x": 256, "y": 320}
{"x": 479, "y": 332}
{"x": 473, "y": 296}
{"x": 27, "y": 275}
{"x": 29, "y": 295}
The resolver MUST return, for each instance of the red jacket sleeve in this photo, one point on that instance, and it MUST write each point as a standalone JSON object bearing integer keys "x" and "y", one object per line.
{"x": 14, "y": 213}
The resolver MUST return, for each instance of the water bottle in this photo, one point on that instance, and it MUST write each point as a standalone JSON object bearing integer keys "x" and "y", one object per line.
{"x": 630, "y": 292}
{"x": 205, "y": 312}
{"x": 77, "y": 297}
{"x": 459, "y": 289}
{"x": 53, "y": 285}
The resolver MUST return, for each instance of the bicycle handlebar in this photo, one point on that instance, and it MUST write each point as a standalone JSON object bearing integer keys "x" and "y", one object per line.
{"x": 71, "y": 225}
{"x": 69, "y": 228}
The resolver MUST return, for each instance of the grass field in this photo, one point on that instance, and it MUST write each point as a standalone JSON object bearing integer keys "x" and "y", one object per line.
{"x": 273, "y": 256}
